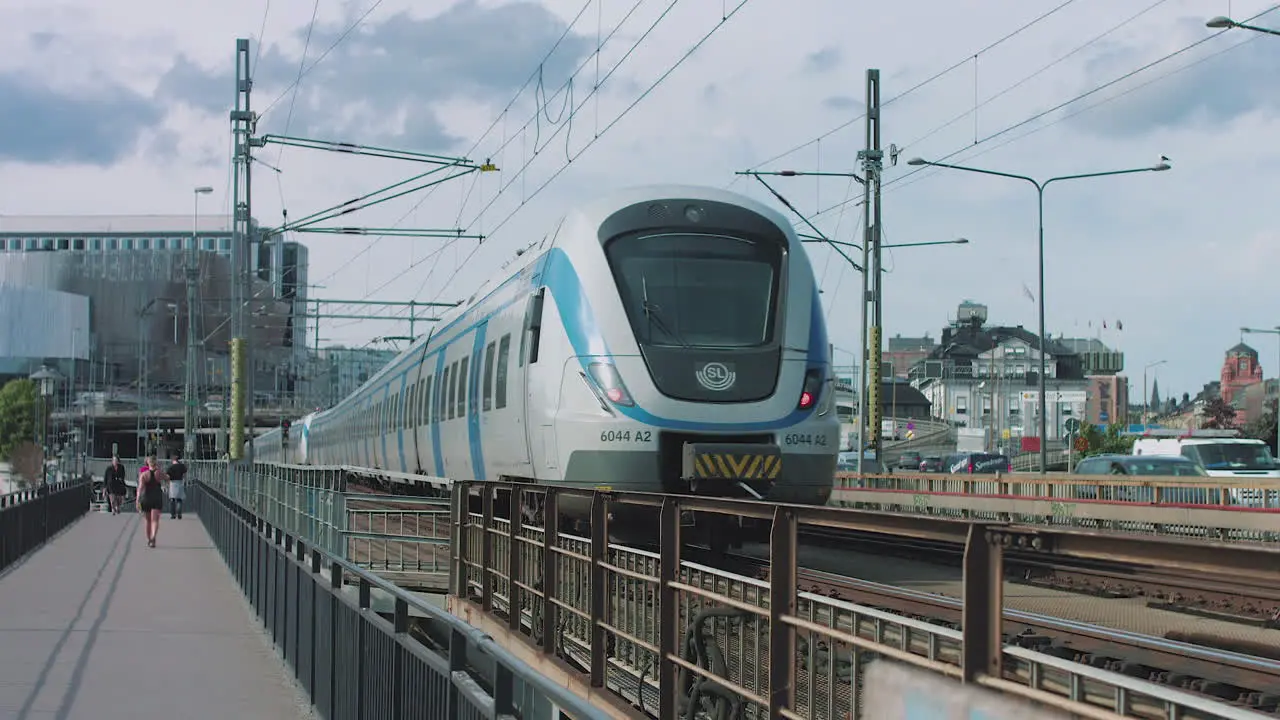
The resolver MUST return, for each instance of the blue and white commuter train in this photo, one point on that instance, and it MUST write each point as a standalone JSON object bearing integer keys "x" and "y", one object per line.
{"x": 663, "y": 339}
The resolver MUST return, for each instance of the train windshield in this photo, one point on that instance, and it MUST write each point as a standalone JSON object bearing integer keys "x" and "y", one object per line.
{"x": 698, "y": 290}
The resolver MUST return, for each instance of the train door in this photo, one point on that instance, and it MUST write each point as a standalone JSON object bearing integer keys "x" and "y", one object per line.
{"x": 530, "y": 396}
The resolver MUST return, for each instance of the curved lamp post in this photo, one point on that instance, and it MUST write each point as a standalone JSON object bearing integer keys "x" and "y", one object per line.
{"x": 1040, "y": 185}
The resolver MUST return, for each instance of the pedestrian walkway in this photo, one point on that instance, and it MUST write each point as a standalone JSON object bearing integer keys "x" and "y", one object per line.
{"x": 97, "y": 626}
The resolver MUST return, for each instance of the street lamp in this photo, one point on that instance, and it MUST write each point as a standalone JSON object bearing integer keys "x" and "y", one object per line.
{"x": 1146, "y": 399}
{"x": 189, "y": 417}
{"x": 1276, "y": 331}
{"x": 1044, "y": 341}
{"x": 47, "y": 379}
{"x": 1222, "y": 22}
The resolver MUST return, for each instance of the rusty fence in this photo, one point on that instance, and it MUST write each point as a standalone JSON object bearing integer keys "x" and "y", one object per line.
{"x": 1233, "y": 509}
{"x": 650, "y": 631}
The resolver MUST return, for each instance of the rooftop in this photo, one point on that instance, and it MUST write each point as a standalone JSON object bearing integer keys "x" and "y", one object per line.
{"x": 112, "y": 224}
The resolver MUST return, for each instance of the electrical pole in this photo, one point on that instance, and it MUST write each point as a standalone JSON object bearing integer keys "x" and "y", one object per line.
{"x": 869, "y": 373}
{"x": 242, "y": 127}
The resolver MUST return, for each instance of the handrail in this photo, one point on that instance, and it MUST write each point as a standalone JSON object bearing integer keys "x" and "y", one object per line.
{"x": 569, "y": 703}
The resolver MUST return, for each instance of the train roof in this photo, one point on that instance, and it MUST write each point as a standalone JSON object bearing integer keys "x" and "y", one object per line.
{"x": 599, "y": 207}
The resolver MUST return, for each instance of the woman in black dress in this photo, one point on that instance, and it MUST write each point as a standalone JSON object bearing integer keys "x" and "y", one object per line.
{"x": 151, "y": 481}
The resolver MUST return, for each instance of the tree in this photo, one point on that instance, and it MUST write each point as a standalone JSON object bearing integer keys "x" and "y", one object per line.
{"x": 1105, "y": 441}
{"x": 18, "y": 415}
{"x": 1219, "y": 415}
{"x": 1264, "y": 428}
{"x": 26, "y": 461}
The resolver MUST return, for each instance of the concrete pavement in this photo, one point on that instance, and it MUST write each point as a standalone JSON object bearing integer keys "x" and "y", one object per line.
{"x": 97, "y": 626}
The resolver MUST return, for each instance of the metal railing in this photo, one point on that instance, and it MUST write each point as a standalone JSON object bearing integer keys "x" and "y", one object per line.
{"x": 678, "y": 638}
{"x": 1192, "y": 507}
{"x": 29, "y": 518}
{"x": 404, "y": 539}
{"x": 352, "y": 661}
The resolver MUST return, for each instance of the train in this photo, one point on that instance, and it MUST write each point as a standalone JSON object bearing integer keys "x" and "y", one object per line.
{"x": 664, "y": 339}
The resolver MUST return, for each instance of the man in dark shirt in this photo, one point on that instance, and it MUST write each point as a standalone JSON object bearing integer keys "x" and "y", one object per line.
{"x": 177, "y": 493}
{"x": 113, "y": 479}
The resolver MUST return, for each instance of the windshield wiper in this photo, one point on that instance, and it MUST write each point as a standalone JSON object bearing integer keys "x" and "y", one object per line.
{"x": 653, "y": 313}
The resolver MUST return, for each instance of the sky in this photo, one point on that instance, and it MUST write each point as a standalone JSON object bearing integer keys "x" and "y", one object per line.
{"x": 122, "y": 108}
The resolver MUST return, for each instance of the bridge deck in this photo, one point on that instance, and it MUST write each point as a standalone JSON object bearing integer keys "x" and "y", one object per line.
{"x": 97, "y": 625}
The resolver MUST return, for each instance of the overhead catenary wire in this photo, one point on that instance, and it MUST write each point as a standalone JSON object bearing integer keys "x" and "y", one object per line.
{"x": 1031, "y": 76}
{"x": 725, "y": 17}
{"x": 1042, "y": 113}
{"x": 561, "y": 127}
{"x": 923, "y": 83}
{"x": 500, "y": 118}
{"x": 1103, "y": 101}
{"x": 345, "y": 34}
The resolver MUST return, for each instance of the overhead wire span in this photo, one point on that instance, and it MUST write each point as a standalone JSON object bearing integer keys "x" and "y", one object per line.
{"x": 1040, "y": 114}
{"x": 345, "y": 34}
{"x": 1027, "y": 78}
{"x": 923, "y": 83}
{"x": 561, "y": 126}
{"x": 501, "y": 117}
{"x": 1103, "y": 101}
{"x": 725, "y": 17}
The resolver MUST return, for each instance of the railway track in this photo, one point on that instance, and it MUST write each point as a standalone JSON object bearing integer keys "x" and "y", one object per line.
{"x": 1241, "y": 678}
{"x": 1232, "y": 598}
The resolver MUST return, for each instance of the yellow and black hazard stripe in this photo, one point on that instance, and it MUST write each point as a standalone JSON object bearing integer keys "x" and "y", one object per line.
{"x": 734, "y": 466}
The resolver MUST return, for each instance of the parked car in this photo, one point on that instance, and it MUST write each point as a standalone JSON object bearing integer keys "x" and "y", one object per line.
{"x": 1149, "y": 466}
{"x": 931, "y": 464}
{"x": 909, "y": 461}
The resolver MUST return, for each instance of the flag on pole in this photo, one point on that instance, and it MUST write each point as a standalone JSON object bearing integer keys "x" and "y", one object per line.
{"x": 1104, "y": 324}
{"x": 1119, "y": 325}
{"x": 1027, "y": 291}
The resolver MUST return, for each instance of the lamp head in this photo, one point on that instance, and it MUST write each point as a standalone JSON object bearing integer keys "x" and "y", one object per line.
{"x": 1220, "y": 21}
{"x": 917, "y": 161}
{"x": 204, "y": 190}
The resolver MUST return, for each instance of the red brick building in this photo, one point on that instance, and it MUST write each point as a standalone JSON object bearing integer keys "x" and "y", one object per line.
{"x": 1240, "y": 371}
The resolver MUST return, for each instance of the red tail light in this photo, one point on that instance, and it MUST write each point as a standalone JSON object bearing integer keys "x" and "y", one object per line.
{"x": 811, "y": 389}
{"x": 607, "y": 377}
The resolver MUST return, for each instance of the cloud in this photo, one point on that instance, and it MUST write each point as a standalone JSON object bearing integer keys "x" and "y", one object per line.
{"x": 1212, "y": 89}
{"x": 43, "y": 125}
{"x": 390, "y": 77}
{"x": 823, "y": 60}
{"x": 841, "y": 102}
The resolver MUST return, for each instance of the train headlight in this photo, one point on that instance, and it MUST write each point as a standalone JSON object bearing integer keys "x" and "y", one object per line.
{"x": 811, "y": 390}
{"x": 607, "y": 377}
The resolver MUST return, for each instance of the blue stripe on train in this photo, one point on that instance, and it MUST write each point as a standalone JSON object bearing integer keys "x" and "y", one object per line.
{"x": 473, "y": 407}
{"x": 556, "y": 272}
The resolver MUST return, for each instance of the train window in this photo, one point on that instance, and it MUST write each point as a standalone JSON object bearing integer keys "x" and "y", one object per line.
{"x": 464, "y": 385}
{"x": 439, "y": 403}
{"x": 698, "y": 289}
{"x": 488, "y": 377}
{"x": 410, "y": 407}
{"x": 500, "y": 379}
{"x": 451, "y": 403}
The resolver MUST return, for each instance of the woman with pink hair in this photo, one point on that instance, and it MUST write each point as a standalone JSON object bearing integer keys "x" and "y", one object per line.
{"x": 150, "y": 500}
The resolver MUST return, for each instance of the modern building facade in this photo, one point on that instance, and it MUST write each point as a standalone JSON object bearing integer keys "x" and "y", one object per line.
{"x": 342, "y": 370}
{"x": 103, "y": 299}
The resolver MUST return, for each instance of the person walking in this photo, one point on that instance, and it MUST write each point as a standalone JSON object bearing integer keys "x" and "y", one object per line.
{"x": 177, "y": 492}
{"x": 113, "y": 479}
{"x": 150, "y": 501}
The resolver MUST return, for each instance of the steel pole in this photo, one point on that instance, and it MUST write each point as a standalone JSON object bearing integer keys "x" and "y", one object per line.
{"x": 1044, "y": 344}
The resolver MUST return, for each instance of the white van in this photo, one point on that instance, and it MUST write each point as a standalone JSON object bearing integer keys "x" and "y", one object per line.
{"x": 1222, "y": 453}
